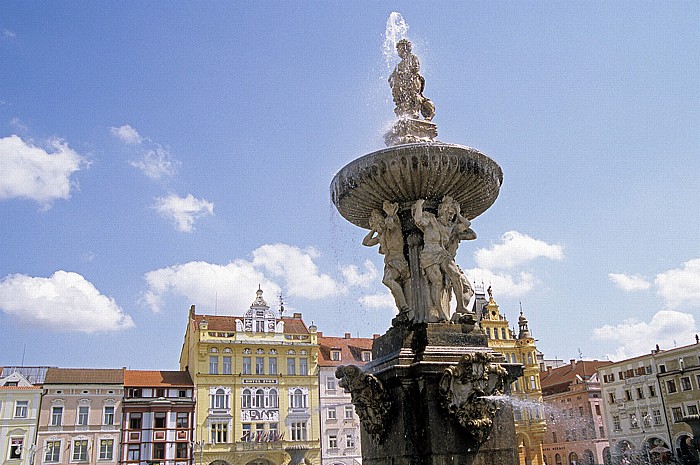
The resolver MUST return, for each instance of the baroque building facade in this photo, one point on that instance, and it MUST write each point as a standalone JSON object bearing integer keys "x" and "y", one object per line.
{"x": 256, "y": 381}
{"x": 528, "y": 412}
{"x": 340, "y": 425}
{"x": 647, "y": 398}
{"x": 80, "y": 416}
{"x": 19, "y": 416}
{"x": 574, "y": 410}
{"x": 157, "y": 418}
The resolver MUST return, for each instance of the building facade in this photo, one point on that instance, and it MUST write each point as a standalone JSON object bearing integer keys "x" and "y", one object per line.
{"x": 530, "y": 424}
{"x": 80, "y": 416}
{"x": 340, "y": 425}
{"x": 157, "y": 418}
{"x": 19, "y": 414}
{"x": 256, "y": 380}
{"x": 576, "y": 431}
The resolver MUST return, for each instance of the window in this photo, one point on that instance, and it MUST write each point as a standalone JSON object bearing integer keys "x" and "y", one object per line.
{"x": 640, "y": 393}
{"x": 349, "y": 441}
{"x": 685, "y": 383}
{"x": 160, "y": 392}
{"x": 182, "y": 420}
{"x": 159, "y": 420}
{"x": 273, "y": 399}
{"x": 108, "y": 415}
{"x": 662, "y": 368}
{"x": 272, "y": 365}
{"x": 597, "y": 409}
{"x": 298, "y": 399}
{"x": 291, "y": 366}
{"x": 52, "y": 451}
{"x": 158, "y": 451}
{"x": 226, "y": 365}
{"x": 135, "y": 421}
{"x": 83, "y": 412}
{"x": 246, "y": 366}
{"x": 677, "y": 413}
{"x": 213, "y": 364}
{"x": 646, "y": 418}
{"x": 503, "y": 333}
{"x": 533, "y": 382}
{"x": 56, "y": 416}
{"x": 601, "y": 431}
{"x": 259, "y": 399}
{"x": 303, "y": 366}
{"x": 181, "y": 450}
{"x": 633, "y": 421}
{"x": 247, "y": 435}
{"x": 657, "y": 417}
{"x": 332, "y": 441}
{"x": 580, "y": 410}
{"x": 21, "y": 407}
{"x": 259, "y": 365}
{"x": 247, "y": 399}
{"x": 106, "y": 449}
{"x": 273, "y": 432}
{"x": 330, "y": 383}
{"x": 133, "y": 392}
{"x": 330, "y": 413}
{"x": 133, "y": 453}
{"x": 298, "y": 429}
{"x": 219, "y": 399}
{"x": 554, "y": 437}
{"x": 628, "y": 394}
{"x": 557, "y": 459}
{"x": 182, "y": 393}
{"x": 671, "y": 386}
{"x": 652, "y": 391}
{"x": 616, "y": 423}
{"x": 611, "y": 397}
{"x": 16, "y": 448}
{"x": 692, "y": 409}
{"x": 219, "y": 432}
{"x": 349, "y": 411}
{"x": 335, "y": 355}
{"x": 80, "y": 450}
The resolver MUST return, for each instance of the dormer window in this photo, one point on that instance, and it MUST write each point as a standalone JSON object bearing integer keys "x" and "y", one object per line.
{"x": 335, "y": 355}
{"x": 366, "y": 356}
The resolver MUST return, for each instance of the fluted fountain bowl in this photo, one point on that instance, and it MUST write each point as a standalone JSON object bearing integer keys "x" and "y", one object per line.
{"x": 423, "y": 170}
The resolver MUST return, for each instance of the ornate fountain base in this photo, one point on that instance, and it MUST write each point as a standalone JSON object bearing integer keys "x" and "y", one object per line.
{"x": 432, "y": 379}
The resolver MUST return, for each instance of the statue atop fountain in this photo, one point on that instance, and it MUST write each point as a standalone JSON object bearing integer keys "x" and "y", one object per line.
{"x": 427, "y": 395}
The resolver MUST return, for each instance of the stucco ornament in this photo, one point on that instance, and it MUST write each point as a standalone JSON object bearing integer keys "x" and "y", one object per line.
{"x": 369, "y": 398}
{"x": 464, "y": 389}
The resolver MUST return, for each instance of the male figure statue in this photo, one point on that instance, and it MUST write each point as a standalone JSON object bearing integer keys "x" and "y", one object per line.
{"x": 407, "y": 85}
{"x": 441, "y": 236}
{"x": 386, "y": 231}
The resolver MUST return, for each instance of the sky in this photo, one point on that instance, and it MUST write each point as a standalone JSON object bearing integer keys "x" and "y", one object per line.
{"x": 155, "y": 156}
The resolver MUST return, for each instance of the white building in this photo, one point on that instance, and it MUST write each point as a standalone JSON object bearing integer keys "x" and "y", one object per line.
{"x": 19, "y": 417}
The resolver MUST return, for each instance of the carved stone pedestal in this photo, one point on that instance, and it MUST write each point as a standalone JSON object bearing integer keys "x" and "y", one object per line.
{"x": 429, "y": 381}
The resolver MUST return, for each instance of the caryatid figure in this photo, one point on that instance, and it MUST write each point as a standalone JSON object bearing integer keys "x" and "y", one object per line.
{"x": 441, "y": 236}
{"x": 386, "y": 231}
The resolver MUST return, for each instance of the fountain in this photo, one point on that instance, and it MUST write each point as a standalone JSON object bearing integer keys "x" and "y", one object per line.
{"x": 431, "y": 393}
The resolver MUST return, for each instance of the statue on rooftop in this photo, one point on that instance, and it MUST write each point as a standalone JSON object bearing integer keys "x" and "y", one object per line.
{"x": 407, "y": 85}
{"x": 441, "y": 236}
{"x": 386, "y": 231}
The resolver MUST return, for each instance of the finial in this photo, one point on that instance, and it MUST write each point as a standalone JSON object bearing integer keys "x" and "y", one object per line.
{"x": 490, "y": 292}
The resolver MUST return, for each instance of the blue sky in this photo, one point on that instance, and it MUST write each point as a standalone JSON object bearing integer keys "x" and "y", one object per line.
{"x": 154, "y": 156}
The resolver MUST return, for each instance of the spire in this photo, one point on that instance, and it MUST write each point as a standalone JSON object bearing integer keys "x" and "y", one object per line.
{"x": 522, "y": 325}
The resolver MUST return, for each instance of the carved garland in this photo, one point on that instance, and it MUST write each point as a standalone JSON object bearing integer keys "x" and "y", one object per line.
{"x": 369, "y": 398}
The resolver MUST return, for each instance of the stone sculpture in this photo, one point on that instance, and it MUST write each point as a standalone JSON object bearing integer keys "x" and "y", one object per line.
{"x": 441, "y": 237}
{"x": 465, "y": 389}
{"x": 407, "y": 85}
{"x": 386, "y": 231}
{"x": 369, "y": 398}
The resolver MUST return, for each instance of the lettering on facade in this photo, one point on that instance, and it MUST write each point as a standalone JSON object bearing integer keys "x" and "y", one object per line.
{"x": 260, "y": 415}
{"x": 259, "y": 381}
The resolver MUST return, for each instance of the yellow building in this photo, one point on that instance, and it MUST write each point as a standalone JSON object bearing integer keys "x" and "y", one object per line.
{"x": 530, "y": 424}
{"x": 256, "y": 380}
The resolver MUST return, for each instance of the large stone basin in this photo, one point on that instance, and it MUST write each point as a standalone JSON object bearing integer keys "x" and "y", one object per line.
{"x": 406, "y": 173}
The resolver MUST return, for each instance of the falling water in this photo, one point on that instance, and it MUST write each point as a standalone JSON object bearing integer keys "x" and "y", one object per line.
{"x": 396, "y": 29}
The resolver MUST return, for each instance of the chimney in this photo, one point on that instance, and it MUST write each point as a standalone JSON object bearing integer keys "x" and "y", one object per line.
{"x": 320, "y": 334}
{"x": 572, "y": 361}
{"x": 375, "y": 336}
{"x": 347, "y": 335}
{"x": 296, "y": 315}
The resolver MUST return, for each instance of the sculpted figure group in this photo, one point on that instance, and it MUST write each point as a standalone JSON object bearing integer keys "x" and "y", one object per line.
{"x": 441, "y": 236}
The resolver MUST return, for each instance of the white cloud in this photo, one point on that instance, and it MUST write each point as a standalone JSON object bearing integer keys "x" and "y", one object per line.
{"x": 19, "y": 125}
{"x": 183, "y": 211}
{"x": 505, "y": 285}
{"x": 681, "y": 286}
{"x": 298, "y": 269}
{"x": 64, "y": 302}
{"x": 516, "y": 249}
{"x": 156, "y": 163}
{"x": 383, "y": 300}
{"x": 34, "y": 173}
{"x": 126, "y": 134}
{"x": 355, "y": 277}
{"x": 628, "y": 282}
{"x": 667, "y": 328}
{"x": 6, "y": 33}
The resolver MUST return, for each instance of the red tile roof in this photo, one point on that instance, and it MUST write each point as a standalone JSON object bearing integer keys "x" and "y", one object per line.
{"x": 557, "y": 380}
{"x": 228, "y": 323}
{"x": 144, "y": 378}
{"x": 84, "y": 376}
{"x": 350, "y": 350}
{"x": 21, "y": 388}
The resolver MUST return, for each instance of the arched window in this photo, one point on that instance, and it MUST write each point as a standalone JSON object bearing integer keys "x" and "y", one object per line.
{"x": 557, "y": 459}
{"x": 298, "y": 399}
{"x": 246, "y": 401}
{"x": 219, "y": 399}
{"x": 588, "y": 458}
{"x": 529, "y": 358}
{"x": 259, "y": 401}
{"x": 607, "y": 456}
{"x": 573, "y": 458}
{"x": 272, "y": 399}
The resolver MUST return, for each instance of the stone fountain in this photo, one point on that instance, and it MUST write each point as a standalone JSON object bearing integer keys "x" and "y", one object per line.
{"x": 427, "y": 398}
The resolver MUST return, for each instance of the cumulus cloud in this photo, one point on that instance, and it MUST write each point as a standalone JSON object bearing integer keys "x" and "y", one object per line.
{"x": 183, "y": 211}
{"x": 298, "y": 269}
{"x": 126, "y": 134}
{"x": 156, "y": 163}
{"x": 356, "y": 277}
{"x": 629, "y": 282}
{"x": 506, "y": 285}
{"x": 382, "y": 300}
{"x": 35, "y": 173}
{"x": 681, "y": 286}
{"x": 64, "y": 302}
{"x": 516, "y": 249}
{"x": 667, "y": 328}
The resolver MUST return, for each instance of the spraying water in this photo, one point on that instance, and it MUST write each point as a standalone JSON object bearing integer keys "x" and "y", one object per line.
{"x": 396, "y": 29}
